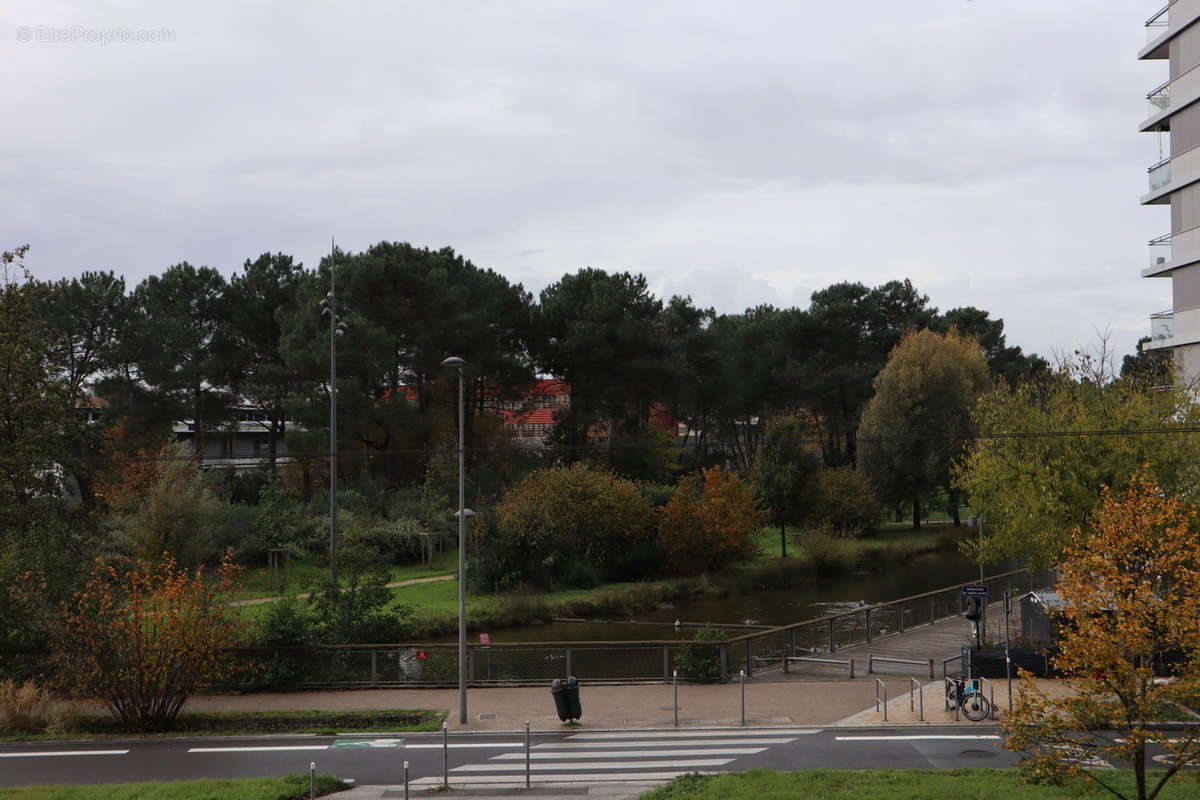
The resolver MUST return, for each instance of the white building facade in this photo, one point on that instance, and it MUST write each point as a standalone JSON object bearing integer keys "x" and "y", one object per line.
{"x": 1174, "y": 116}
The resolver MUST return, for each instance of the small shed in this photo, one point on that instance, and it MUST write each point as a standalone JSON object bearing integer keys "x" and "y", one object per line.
{"x": 1038, "y": 612}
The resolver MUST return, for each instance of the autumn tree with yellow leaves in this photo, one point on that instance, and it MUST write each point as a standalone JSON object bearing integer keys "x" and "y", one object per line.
{"x": 1129, "y": 647}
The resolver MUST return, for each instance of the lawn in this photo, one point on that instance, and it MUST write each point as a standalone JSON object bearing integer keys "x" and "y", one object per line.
{"x": 902, "y": 537}
{"x": 292, "y": 787}
{"x": 826, "y": 784}
{"x": 303, "y": 576}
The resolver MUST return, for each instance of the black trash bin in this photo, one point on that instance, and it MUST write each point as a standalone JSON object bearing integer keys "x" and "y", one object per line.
{"x": 575, "y": 709}
{"x": 566, "y": 699}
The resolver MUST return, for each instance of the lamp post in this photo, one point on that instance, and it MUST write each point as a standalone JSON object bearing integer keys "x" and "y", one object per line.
{"x": 336, "y": 329}
{"x": 456, "y": 363}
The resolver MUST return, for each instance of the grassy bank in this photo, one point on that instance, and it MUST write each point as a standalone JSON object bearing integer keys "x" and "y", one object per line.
{"x": 435, "y": 604}
{"x": 291, "y": 787}
{"x": 825, "y": 784}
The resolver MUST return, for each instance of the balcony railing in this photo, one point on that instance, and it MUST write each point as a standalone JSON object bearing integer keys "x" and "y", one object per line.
{"x": 1160, "y": 250}
{"x": 1157, "y": 25}
{"x": 1160, "y": 174}
{"x": 1162, "y": 326}
{"x": 1160, "y": 98}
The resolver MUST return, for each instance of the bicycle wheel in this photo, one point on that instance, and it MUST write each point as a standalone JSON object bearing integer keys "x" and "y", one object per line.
{"x": 976, "y": 707}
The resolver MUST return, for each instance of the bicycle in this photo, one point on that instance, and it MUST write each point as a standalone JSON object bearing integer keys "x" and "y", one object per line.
{"x": 969, "y": 699}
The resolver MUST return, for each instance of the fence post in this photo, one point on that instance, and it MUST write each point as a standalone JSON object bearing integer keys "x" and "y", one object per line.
{"x": 445, "y": 759}
{"x": 900, "y": 625}
{"x": 666, "y": 661}
{"x": 931, "y": 669}
{"x": 832, "y": 636}
{"x": 932, "y": 613}
{"x": 374, "y": 672}
{"x": 471, "y": 665}
{"x": 868, "y": 613}
{"x": 570, "y": 652}
{"x": 526, "y": 754}
{"x": 724, "y": 660}
{"x": 405, "y": 780}
{"x": 742, "y": 681}
{"x": 312, "y": 779}
{"x": 791, "y": 650}
{"x": 675, "y": 680}
{"x": 748, "y": 670}
{"x": 870, "y": 664}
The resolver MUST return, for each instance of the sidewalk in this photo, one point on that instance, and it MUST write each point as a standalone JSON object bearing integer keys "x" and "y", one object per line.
{"x": 771, "y": 701}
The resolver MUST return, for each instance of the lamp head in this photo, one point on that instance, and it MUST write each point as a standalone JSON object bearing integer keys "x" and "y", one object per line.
{"x": 454, "y": 362}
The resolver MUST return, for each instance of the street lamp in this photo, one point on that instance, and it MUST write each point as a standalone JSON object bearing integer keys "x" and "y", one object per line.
{"x": 456, "y": 363}
{"x": 336, "y": 329}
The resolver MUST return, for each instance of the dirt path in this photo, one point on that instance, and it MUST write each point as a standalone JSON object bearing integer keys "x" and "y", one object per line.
{"x": 304, "y": 595}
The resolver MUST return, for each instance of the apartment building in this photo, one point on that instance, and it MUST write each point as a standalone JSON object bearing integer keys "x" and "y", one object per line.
{"x": 1174, "y": 116}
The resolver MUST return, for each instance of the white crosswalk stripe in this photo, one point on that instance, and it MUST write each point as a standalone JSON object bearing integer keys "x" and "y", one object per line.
{"x": 637, "y": 756}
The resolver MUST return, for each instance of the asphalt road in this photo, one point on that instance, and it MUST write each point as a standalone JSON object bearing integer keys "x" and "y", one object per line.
{"x": 487, "y": 759}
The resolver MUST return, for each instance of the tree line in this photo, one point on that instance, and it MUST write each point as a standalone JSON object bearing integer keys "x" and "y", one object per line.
{"x": 187, "y": 343}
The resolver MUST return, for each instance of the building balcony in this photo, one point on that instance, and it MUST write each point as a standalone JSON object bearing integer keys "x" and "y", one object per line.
{"x": 1166, "y": 23}
{"x": 1160, "y": 251}
{"x": 1160, "y": 174}
{"x": 1162, "y": 328}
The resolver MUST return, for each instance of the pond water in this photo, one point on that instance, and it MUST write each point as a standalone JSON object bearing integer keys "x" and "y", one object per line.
{"x": 815, "y": 597}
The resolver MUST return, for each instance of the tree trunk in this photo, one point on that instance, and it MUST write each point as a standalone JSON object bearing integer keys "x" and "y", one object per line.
{"x": 954, "y": 512}
{"x": 916, "y": 514}
{"x": 782, "y": 541}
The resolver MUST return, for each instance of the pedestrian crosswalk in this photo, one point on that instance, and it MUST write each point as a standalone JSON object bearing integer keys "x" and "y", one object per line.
{"x": 637, "y": 756}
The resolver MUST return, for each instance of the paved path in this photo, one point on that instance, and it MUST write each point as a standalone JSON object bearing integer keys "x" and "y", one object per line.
{"x": 261, "y": 600}
{"x": 940, "y": 641}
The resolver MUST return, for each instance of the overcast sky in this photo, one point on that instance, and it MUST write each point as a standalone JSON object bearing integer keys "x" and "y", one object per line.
{"x": 742, "y": 153}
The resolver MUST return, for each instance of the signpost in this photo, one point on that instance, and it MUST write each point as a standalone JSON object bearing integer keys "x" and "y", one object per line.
{"x": 422, "y": 655}
{"x": 980, "y": 592}
{"x": 485, "y": 638}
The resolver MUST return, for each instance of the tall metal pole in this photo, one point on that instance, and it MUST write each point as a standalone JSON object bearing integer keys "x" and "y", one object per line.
{"x": 456, "y": 363}
{"x": 333, "y": 447}
{"x": 462, "y": 570}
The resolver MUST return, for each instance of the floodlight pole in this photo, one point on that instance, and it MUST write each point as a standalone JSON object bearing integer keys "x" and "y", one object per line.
{"x": 456, "y": 363}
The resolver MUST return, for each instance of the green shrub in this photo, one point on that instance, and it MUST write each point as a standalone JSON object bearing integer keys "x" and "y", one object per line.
{"x": 700, "y": 659}
{"x": 567, "y": 524}
{"x": 827, "y": 553}
{"x": 845, "y": 502}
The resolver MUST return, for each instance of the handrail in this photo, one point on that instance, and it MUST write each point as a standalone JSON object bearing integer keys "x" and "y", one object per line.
{"x": 915, "y": 685}
{"x": 1164, "y": 239}
{"x": 1159, "y": 13}
{"x": 841, "y": 662}
{"x": 876, "y": 606}
{"x": 1158, "y": 164}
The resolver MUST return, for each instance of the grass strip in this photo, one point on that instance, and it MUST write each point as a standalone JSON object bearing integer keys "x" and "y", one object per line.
{"x": 883, "y": 784}
{"x": 255, "y": 724}
{"x": 290, "y": 787}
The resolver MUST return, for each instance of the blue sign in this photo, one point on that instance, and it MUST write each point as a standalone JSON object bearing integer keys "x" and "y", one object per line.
{"x": 975, "y": 590}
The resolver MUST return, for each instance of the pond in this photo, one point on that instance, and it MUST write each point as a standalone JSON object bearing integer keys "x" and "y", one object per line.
{"x": 815, "y": 597}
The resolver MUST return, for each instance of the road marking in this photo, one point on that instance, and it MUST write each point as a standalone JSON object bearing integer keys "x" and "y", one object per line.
{"x": 916, "y": 737}
{"x": 519, "y": 780}
{"x": 365, "y": 744}
{"x": 727, "y": 751}
{"x": 59, "y": 753}
{"x": 467, "y": 745}
{"x": 270, "y": 749}
{"x": 692, "y": 734}
{"x": 622, "y": 765}
{"x": 662, "y": 743}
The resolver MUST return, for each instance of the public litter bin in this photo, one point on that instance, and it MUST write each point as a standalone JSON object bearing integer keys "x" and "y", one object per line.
{"x": 566, "y": 699}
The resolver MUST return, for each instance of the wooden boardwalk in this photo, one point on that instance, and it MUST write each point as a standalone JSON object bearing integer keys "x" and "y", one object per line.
{"x": 941, "y": 640}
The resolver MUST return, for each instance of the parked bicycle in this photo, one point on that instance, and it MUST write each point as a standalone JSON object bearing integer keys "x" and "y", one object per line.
{"x": 968, "y": 697}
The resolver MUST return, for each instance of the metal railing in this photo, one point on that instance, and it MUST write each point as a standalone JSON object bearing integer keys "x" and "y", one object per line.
{"x": 1158, "y": 24}
{"x": 866, "y": 624}
{"x": 515, "y": 663}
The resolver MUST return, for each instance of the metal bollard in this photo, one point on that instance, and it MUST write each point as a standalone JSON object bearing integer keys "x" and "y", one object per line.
{"x": 675, "y": 678}
{"x": 742, "y": 681}
{"x": 405, "y": 780}
{"x": 526, "y": 754}
{"x": 312, "y": 780}
{"x": 445, "y": 759}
